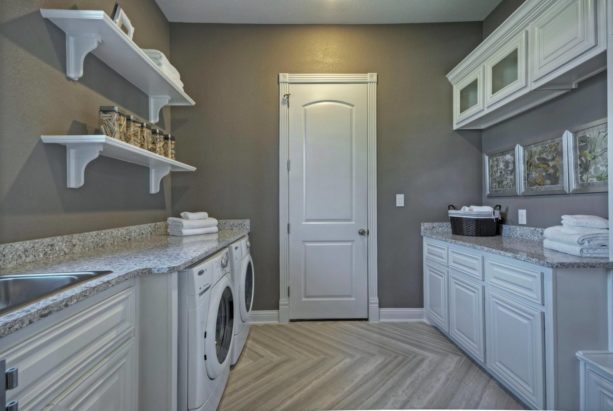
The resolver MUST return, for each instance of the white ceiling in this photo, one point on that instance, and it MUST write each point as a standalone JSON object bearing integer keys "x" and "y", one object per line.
{"x": 325, "y": 11}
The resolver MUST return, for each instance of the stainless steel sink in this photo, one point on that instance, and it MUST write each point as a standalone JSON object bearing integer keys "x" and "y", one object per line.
{"x": 20, "y": 289}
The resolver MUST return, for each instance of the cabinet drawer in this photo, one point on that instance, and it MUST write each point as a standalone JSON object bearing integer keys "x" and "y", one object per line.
{"x": 467, "y": 262}
{"x": 519, "y": 279}
{"x": 436, "y": 252}
{"x": 59, "y": 354}
{"x": 598, "y": 391}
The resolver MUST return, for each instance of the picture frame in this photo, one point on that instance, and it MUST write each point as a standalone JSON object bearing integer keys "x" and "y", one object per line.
{"x": 587, "y": 157}
{"x": 543, "y": 167}
{"x": 501, "y": 177}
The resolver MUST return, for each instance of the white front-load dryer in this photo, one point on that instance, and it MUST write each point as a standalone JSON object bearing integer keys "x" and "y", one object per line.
{"x": 243, "y": 277}
{"x": 206, "y": 333}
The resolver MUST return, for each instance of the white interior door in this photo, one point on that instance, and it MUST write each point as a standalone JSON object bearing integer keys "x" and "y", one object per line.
{"x": 328, "y": 201}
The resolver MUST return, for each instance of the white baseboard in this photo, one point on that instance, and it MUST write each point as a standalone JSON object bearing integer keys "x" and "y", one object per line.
{"x": 264, "y": 317}
{"x": 393, "y": 315}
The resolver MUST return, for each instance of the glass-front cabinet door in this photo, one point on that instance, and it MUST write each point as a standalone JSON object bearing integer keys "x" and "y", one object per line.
{"x": 505, "y": 71}
{"x": 468, "y": 96}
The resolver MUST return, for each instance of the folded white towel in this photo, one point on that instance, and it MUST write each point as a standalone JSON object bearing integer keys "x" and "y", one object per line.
{"x": 576, "y": 249}
{"x": 595, "y": 238}
{"x": 199, "y": 215}
{"x": 590, "y": 221}
{"x": 183, "y": 223}
{"x": 161, "y": 60}
{"x": 569, "y": 229}
{"x": 191, "y": 231}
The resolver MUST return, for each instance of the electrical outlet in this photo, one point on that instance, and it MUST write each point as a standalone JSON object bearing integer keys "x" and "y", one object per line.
{"x": 522, "y": 217}
{"x": 399, "y": 200}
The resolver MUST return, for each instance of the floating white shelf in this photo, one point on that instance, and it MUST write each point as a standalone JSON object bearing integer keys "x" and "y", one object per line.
{"x": 81, "y": 150}
{"x": 94, "y": 31}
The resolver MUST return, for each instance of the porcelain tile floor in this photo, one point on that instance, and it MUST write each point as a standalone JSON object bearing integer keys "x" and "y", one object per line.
{"x": 357, "y": 365}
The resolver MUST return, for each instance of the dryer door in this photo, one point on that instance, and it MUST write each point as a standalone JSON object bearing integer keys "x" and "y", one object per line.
{"x": 246, "y": 292}
{"x": 220, "y": 328}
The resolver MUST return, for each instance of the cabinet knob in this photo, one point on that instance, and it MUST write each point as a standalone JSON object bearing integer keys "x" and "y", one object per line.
{"x": 363, "y": 231}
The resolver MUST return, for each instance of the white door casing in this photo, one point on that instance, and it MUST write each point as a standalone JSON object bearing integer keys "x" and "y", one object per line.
{"x": 327, "y": 130}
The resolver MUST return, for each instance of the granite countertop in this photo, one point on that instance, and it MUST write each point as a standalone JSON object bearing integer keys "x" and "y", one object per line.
{"x": 156, "y": 254}
{"x": 523, "y": 245}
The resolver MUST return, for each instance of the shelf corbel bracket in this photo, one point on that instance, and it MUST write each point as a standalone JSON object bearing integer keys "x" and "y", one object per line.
{"x": 156, "y": 173}
{"x": 155, "y": 105}
{"x": 78, "y": 156}
{"x": 77, "y": 47}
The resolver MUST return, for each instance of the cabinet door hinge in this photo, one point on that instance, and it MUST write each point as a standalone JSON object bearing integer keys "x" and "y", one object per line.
{"x": 286, "y": 99}
{"x": 287, "y": 228}
{"x": 289, "y": 165}
{"x": 287, "y": 292}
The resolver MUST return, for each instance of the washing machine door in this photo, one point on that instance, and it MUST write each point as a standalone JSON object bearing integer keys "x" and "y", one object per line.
{"x": 246, "y": 291}
{"x": 220, "y": 328}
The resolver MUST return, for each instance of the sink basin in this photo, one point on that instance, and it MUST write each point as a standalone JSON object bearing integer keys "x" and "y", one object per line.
{"x": 20, "y": 289}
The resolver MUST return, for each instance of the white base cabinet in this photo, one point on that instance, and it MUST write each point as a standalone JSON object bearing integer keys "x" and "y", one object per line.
{"x": 84, "y": 357}
{"x": 596, "y": 380}
{"x": 522, "y": 322}
{"x": 466, "y": 314}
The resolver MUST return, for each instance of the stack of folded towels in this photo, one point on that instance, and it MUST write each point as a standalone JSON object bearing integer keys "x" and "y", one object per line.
{"x": 581, "y": 235}
{"x": 192, "y": 224}
{"x": 162, "y": 62}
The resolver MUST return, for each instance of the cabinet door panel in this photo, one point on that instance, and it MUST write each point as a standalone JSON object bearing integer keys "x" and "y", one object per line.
{"x": 598, "y": 392}
{"x": 506, "y": 72}
{"x": 466, "y": 314}
{"x": 468, "y": 96}
{"x": 436, "y": 295}
{"x": 563, "y": 32}
{"x": 515, "y": 345}
{"x": 109, "y": 386}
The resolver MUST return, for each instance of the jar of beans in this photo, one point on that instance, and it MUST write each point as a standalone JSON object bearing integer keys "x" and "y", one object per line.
{"x": 156, "y": 134}
{"x": 133, "y": 130}
{"x": 145, "y": 136}
{"x": 166, "y": 146}
{"x": 172, "y": 146}
{"x": 112, "y": 122}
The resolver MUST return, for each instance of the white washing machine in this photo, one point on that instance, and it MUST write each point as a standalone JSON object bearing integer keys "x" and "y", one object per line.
{"x": 243, "y": 277}
{"x": 206, "y": 333}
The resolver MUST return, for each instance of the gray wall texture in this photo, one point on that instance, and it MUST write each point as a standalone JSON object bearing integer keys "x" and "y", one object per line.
{"x": 232, "y": 134}
{"x": 582, "y": 105}
{"x": 37, "y": 98}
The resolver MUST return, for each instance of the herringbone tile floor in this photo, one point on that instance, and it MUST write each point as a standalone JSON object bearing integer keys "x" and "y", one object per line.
{"x": 357, "y": 365}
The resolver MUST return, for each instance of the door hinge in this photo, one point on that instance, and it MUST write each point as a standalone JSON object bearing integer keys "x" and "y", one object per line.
{"x": 286, "y": 99}
{"x": 289, "y": 165}
{"x": 287, "y": 228}
{"x": 287, "y": 292}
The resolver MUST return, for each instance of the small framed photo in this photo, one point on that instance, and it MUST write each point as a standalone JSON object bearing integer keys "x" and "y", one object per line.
{"x": 543, "y": 167}
{"x": 588, "y": 170}
{"x": 501, "y": 173}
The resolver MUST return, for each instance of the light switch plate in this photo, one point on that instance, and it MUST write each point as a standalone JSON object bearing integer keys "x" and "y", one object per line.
{"x": 522, "y": 217}
{"x": 399, "y": 200}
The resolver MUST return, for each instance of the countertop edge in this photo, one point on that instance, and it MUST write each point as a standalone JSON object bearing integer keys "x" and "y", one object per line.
{"x": 41, "y": 309}
{"x": 605, "y": 264}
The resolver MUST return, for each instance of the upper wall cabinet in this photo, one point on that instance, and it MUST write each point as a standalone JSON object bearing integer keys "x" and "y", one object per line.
{"x": 544, "y": 49}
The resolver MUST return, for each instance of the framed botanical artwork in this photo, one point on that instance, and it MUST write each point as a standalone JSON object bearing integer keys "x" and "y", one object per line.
{"x": 501, "y": 173}
{"x": 588, "y": 170}
{"x": 543, "y": 167}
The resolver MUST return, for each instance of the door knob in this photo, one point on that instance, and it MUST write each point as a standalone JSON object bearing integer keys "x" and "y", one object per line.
{"x": 363, "y": 231}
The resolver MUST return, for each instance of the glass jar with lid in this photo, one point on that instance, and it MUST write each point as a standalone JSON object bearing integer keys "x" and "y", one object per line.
{"x": 133, "y": 130}
{"x": 145, "y": 136}
{"x": 166, "y": 146}
{"x": 112, "y": 122}
{"x": 156, "y": 134}
{"x": 172, "y": 147}
{"x": 159, "y": 143}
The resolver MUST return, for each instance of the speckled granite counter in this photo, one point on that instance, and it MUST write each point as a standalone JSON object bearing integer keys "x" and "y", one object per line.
{"x": 521, "y": 243}
{"x": 137, "y": 254}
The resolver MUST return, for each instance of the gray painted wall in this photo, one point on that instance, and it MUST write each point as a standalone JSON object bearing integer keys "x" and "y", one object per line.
{"x": 580, "y": 106}
{"x": 231, "y": 135}
{"x": 36, "y": 98}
